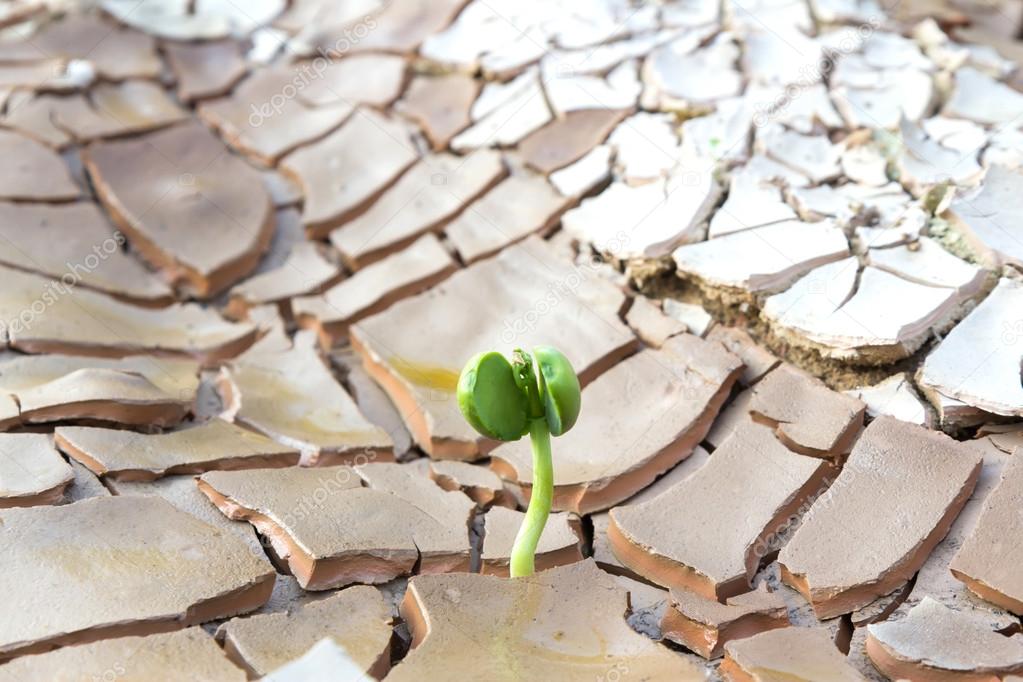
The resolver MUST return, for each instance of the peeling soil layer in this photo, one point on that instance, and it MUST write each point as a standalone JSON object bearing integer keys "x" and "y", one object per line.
{"x": 246, "y": 250}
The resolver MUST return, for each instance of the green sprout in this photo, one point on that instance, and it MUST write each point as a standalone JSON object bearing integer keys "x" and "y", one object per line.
{"x": 506, "y": 400}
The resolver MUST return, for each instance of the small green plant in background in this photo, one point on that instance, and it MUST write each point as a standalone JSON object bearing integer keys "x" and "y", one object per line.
{"x": 536, "y": 394}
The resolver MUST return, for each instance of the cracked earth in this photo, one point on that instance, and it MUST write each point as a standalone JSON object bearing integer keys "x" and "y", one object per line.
{"x": 247, "y": 247}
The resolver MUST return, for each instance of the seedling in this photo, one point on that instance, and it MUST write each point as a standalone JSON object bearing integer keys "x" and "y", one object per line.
{"x": 506, "y": 400}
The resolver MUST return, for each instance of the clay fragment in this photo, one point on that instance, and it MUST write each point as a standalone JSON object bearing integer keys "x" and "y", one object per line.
{"x": 130, "y": 456}
{"x": 650, "y": 324}
{"x": 989, "y": 220}
{"x": 372, "y": 79}
{"x": 896, "y": 397}
{"x": 304, "y": 269}
{"x": 985, "y": 561}
{"x": 935, "y": 642}
{"x": 440, "y": 105}
{"x": 420, "y": 266}
{"x": 291, "y": 396}
{"x": 482, "y": 485}
{"x": 35, "y": 172}
{"x": 185, "y": 654}
{"x": 258, "y": 120}
{"x": 164, "y": 589}
{"x": 205, "y": 70}
{"x": 517, "y": 207}
{"x": 88, "y": 323}
{"x": 76, "y": 243}
{"x": 758, "y": 360}
{"x": 420, "y": 371}
{"x": 733, "y": 508}
{"x": 428, "y": 196}
{"x": 674, "y": 394}
{"x": 182, "y": 492}
{"x": 806, "y": 415}
{"x": 567, "y": 139}
{"x": 358, "y": 618}
{"x": 762, "y": 259}
{"x": 345, "y": 171}
{"x": 108, "y": 110}
{"x": 705, "y": 626}
{"x": 798, "y": 653}
{"x": 347, "y": 533}
{"x": 864, "y": 516}
{"x": 199, "y": 214}
{"x": 115, "y": 53}
{"x": 131, "y": 391}
{"x": 31, "y": 471}
{"x": 575, "y": 608}
{"x": 601, "y": 547}
{"x": 560, "y": 542}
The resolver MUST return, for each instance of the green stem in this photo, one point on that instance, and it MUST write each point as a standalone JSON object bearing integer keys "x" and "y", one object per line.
{"x": 524, "y": 549}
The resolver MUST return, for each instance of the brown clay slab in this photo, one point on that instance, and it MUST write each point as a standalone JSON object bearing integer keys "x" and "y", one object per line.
{"x": 559, "y": 542}
{"x": 601, "y": 548}
{"x": 787, "y": 653}
{"x": 481, "y": 484}
{"x": 895, "y": 499}
{"x": 934, "y": 579}
{"x": 259, "y": 120}
{"x": 115, "y": 53}
{"x": 373, "y": 79}
{"x": 300, "y": 267}
{"x": 440, "y": 105}
{"x": 53, "y": 74}
{"x": 441, "y": 543}
{"x": 44, "y": 316}
{"x": 709, "y": 532}
{"x": 205, "y": 70}
{"x": 432, "y": 192}
{"x": 130, "y": 456}
{"x": 421, "y": 265}
{"x": 76, "y": 244}
{"x": 518, "y": 206}
{"x": 188, "y": 654}
{"x": 33, "y": 172}
{"x": 332, "y": 532}
{"x": 758, "y": 360}
{"x": 987, "y": 561}
{"x": 643, "y": 416}
{"x": 652, "y": 325}
{"x": 705, "y": 626}
{"x": 343, "y": 172}
{"x": 371, "y": 398}
{"x": 567, "y": 139}
{"x": 357, "y": 618}
{"x": 292, "y": 397}
{"x": 116, "y": 566}
{"x": 114, "y": 110}
{"x": 806, "y": 415}
{"x": 935, "y": 642}
{"x": 490, "y": 302}
{"x": 566, "y": 623}
{"x": 131, "y": 391}
{"x": 182, "y": 492}
{"x": 196, "y": 212}
{"x": 31, "y": 471}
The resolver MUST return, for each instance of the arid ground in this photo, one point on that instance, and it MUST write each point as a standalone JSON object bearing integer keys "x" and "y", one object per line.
{"x": 247, "y": 246}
